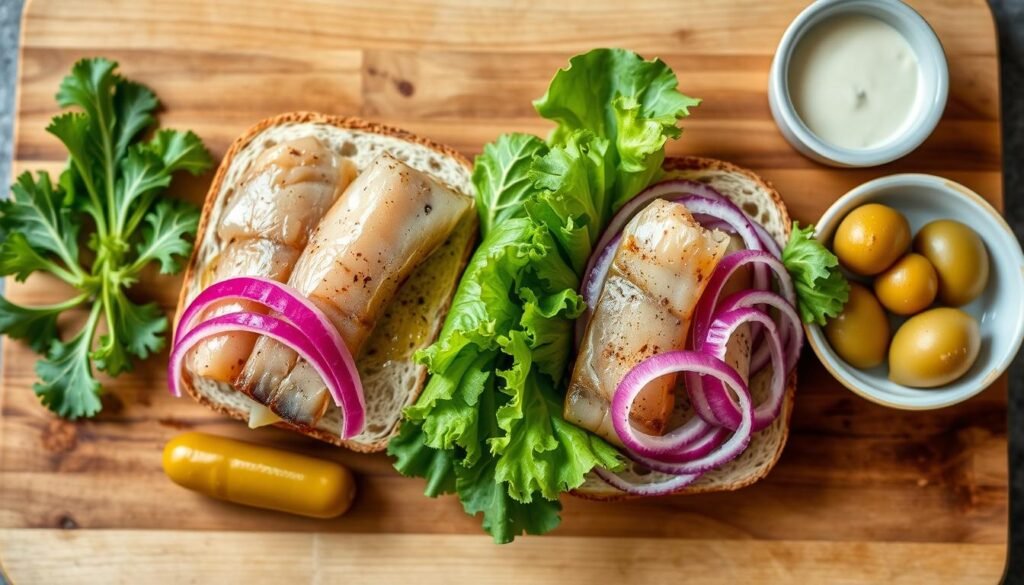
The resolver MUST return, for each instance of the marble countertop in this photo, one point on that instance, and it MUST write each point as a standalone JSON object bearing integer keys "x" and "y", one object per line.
{"x": 1009, "y": 15}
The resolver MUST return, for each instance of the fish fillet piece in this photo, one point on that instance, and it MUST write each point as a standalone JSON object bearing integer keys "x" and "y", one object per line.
{"x": 659, "y": 271}
{"x": 391, "y": 218}
{"x": 266, "y": 224}
{"x": 286, "y": 193}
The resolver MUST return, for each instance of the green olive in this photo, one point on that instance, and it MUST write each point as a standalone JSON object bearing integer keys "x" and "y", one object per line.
{"x": 934, "y": 348}
{"x": 860, "y": 334}
{"x": 908, "y": 286}
{"x": 870, "y": 238}
{"x": 959, "y": 257}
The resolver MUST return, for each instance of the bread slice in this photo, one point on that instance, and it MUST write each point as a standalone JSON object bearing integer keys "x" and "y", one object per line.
{"x": 391, "y": 379}
{"x": 760, "y": 201}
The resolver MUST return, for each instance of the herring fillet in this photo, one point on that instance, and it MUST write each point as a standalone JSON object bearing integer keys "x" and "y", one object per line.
{"x": 388, "y": 221}
{"x": 658, "y": 273}
{"x": 266, "y": 225}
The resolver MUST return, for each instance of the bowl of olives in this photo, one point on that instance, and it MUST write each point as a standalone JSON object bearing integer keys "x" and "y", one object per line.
{"x": 936, "y": 306}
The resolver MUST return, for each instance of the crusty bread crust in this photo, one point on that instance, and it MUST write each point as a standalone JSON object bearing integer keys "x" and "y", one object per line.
{"x": 698, "y": 163}
{"x": 600, "y": 491}
{"x": 194, "y": 266}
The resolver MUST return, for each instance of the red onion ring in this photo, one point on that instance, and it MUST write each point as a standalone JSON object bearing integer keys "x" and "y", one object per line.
{"x": 593, "y": 282}
{"x": 767, "y": 240}
{"x": 279, "y": 330}
{"x": 300, "y": 312}
{"x": 663, "y": 487}
{"x": 721, "y": 404}
{"x": 791, "y": 332}
{"x": 699, "y": 446}
{"x": 705, "y": 310}
{"x": 674, "y": 190}
{"x": 644, "y": 445}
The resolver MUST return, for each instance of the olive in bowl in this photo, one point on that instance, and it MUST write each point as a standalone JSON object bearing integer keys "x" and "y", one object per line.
{"x": 997, "y": 311}
{"x": 870, "y": 238}
{"x": 934, "y": 348}
{"x": 860, "y": 334}
{"x": 909, "y": 286}
{"x": 958, "y": 255}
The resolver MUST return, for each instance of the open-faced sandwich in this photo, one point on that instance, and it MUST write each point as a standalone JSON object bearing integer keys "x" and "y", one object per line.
{"x": 626, "y": 325}
{"x": 689, "y": 271}
{"x": 371, "y": 224}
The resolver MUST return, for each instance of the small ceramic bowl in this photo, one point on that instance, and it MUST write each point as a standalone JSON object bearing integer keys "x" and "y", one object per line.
{"x": 933, "y": 83}
{"x": 999, "y": 310}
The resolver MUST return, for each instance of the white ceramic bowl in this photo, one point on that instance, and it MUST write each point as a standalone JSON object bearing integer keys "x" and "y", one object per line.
{"x": 933, "y": 83}
{"x": 999, "y": 310}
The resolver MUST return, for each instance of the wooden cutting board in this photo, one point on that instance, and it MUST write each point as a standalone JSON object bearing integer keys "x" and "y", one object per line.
{"x": 863, "y": 494}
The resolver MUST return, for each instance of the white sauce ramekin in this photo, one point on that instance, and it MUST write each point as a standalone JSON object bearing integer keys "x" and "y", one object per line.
{"x": 933, "y": 83}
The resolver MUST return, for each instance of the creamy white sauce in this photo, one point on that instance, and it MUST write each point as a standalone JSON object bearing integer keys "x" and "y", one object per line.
{"x": 853, "y": 81}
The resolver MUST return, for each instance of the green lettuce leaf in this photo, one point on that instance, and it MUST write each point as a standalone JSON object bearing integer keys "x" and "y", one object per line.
{"x": 501, "y": 178}
{"x": 539, "y": 451}
{"x": 414, "y": 458}
{"x": 632, "y": 103}
{"x": 482, "y": 492}
{"x": 489, "y": 422}
{"x": 821, "y": 288}
{"x": 568, "y": 195}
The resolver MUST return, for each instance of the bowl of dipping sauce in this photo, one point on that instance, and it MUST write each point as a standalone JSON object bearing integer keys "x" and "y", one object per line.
{"x": 858, "y": 83}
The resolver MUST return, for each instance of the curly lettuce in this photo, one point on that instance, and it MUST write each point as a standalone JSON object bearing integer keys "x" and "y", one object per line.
{"x": 821, "y": 288}
{"x": 488, "y": 425}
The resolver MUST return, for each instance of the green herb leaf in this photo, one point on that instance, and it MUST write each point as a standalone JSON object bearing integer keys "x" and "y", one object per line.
{"x": 141, "y": 328}
{"x": 91, "y": 87}
{"x": 20, "y": 259}
{"x": 181, "y": 151}
{"x": 66, "y": 384}
{"x": 165, "y": 237}
{"x": 821, "y": 288}
{"x": 133, "y": 330}
{"x": 37, "y": 325}
{"x": 114, "y": 178}
{"x": 74, "y": 130}
{"x": 148, "y": 169}
{"x": 142, "y": 173}
{"x": 110, "y": 356}
{"x": 36, "y": 211}
{"x": 133, "y": 108}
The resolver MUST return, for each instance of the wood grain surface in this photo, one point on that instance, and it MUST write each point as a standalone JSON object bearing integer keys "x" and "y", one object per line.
{"x": 862, "y": 494}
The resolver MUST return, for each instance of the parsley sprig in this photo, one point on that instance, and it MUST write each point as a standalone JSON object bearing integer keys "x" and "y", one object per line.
{"x": 111, "y": 191}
